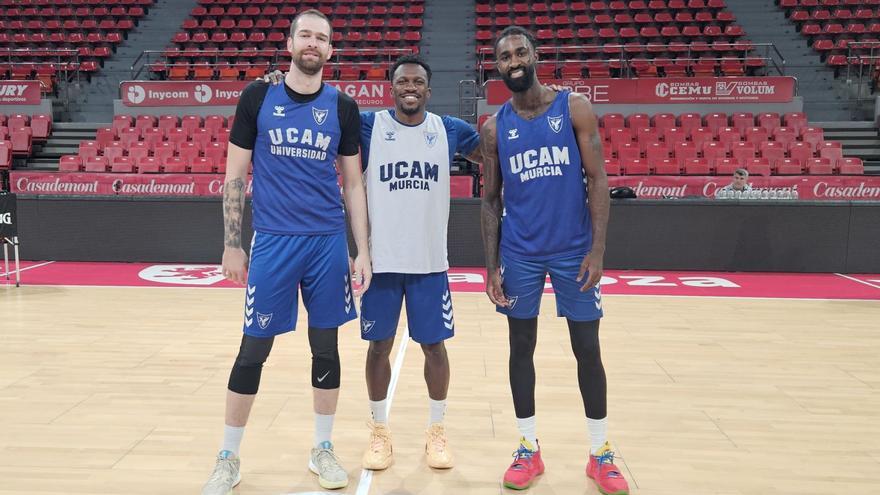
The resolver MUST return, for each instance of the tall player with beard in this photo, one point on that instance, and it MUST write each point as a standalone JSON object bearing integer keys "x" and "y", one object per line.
{"x": 536, "y": 219}
{"x": 295, "y": 133}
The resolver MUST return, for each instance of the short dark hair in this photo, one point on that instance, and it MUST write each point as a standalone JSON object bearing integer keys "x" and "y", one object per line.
{"x": 410, "y": 59}
{"x": 515, "y": 31}
{"x": 311, "y": 12}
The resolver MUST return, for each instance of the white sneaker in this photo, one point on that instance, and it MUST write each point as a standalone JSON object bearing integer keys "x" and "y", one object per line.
{"x": 226, "y": 475}
{"x": 325, "y": 464}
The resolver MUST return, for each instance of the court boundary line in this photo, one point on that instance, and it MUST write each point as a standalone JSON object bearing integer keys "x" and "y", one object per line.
{"x": 366, "y": 479}
{"x": 27, "y": 268}
{"x": 869, "y": 284}
{"x": 766, "y": 298}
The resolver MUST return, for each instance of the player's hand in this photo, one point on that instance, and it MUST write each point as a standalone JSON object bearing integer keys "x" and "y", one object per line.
{"x": 592, "y": 263}
{"x": 494, "y": 289}
{"x": 235, "y": 263}
{"x": 361, "y": 273}
{"x": 273, "y": 78}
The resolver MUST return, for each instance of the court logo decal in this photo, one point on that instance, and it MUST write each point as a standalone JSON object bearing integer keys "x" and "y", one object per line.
{"x": 182, "y": 274}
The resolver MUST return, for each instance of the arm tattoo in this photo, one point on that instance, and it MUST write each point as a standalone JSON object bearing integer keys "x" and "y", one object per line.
{"x": 596, "y": 143}
{"x": 491, "y": 207}
{"x": 233, "y": 206}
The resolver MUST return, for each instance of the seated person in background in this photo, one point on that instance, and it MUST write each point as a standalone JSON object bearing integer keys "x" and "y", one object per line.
{"x": 740, "y": 183}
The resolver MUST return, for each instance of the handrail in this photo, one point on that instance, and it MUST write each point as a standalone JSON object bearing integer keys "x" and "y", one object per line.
{"x": 772, "y": 56}
{"x": 145, "y": 59}
{"x": 62, "y": 58}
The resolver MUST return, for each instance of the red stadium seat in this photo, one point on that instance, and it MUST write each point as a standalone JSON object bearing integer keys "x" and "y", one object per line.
{"x": 174, "y": 165}
{"x": 697, "y": 166}
{"x": 461, "y": 186}
{"x": 67, "y": 163}
{"x": 96, "y": 164}
{"x": 22, "y": 142}
{"x": 42, "y": 127}
{"x": 850, "y": 166}
{"x": 148, "y": 165}
{"x": 122, "y": 165}
{"x": 819, "y": 166}
{"x": 789, "y": 166}
{"x": 202, "y": 165}
{"x": 634, "y": 166}
{"x": 758, "y": 166}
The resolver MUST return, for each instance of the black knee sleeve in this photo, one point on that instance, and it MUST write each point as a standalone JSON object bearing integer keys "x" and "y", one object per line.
{"x": 325, "y": 358}
{"x": 248, "y": 367}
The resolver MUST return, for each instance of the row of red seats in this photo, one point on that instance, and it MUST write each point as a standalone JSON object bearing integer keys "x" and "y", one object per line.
{"x": 715, "y": 150}
{"x": 75, "y": 3}
{"x": 265, "y": 24}
{"x": 275, "y": 39}
{"x": 503, "y": 7}
{"x": 726, "y": 166}
{"x": 142, "y": 164}
{"x": 793, "y": 4}
{"x": 224, "y": 71}
{"x": 643, "y": 19}
{"x": 642, "y": 67}
{"x": 289, "y": 11}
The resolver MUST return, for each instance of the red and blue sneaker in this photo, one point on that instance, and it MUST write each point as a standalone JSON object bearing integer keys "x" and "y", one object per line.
{"x": 527, "y": 465}
{"x": 601, "y": 469}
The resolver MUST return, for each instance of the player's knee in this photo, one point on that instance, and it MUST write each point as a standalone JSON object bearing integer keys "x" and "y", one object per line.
{"x": 248, "y": 366}
{"x": 585, "y": 341}
{"x": 380, "y": 349}
{"x": 325, "y": 358}
{"x": 434, "y": 352}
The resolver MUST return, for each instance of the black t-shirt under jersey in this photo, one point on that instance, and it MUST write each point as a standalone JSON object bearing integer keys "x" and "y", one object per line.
{"x": 244, "y": 129}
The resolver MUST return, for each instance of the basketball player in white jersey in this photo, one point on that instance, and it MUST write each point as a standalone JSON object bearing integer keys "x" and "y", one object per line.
{"x": 406, "y": 154}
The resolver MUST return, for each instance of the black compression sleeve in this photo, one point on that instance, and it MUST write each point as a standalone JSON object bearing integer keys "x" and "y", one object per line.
{"x": 244, "y": 129}
{"x": 350, "y": 123}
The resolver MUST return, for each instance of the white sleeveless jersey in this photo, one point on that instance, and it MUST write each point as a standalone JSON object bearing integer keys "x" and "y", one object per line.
{"x": 407, "y": 180}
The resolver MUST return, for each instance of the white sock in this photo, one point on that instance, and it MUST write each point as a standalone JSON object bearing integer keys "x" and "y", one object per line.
{"x": 232, "y": 438}
{"x": 598, "y": 433}
{"x": 527, "y": 430}
{"x": 438, "y": 411}
{"x": 380, "y": 410}
{"x": 323, "y": 428}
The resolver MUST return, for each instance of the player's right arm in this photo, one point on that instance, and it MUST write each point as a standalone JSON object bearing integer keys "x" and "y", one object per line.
{"x": 240, "y": 152}
{"x": 490, "y": 211}
{"x": 234, "y": 187}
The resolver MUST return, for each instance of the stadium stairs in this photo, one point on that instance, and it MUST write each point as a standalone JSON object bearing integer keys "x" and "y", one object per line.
{"x": 825, "y": 98}
{"x": 448, "y": 46}
{"x": 153, "y": 32}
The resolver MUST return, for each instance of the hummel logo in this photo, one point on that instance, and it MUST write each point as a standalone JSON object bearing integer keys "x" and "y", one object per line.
{"x": 512, "y": 134}
{"x": 279, "y": 111}
{"x": 321, "y": 379}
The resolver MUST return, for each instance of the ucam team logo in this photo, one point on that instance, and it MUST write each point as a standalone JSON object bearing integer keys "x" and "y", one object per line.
{"x": 430, "y": 139}
{"x": 366, "y": 325}
{"x": 203, "y": 93}
{"x": 136, "y": 94}
{"x": 555, "y": 123}
{"x": 319, "y": 115}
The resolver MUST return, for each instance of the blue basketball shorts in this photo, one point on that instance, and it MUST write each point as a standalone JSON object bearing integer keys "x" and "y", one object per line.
{"x": 280, "y": 266}
{"x": 428, "y": 307}
{"x": 523, "y": 284}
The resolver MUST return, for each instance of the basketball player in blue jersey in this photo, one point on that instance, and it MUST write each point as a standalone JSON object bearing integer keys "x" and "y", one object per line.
{"x": 536, "y": 219}
{"x": 407, "y": 154}
{"x": 294, "y": 133}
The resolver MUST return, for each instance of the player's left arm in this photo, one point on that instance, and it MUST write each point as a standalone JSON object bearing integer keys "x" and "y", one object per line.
{"x": 354, "y": 192}
{"x": 586, "y": 129}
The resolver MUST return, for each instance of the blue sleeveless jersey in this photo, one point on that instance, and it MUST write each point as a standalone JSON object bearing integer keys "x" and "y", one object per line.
{"x": 544, "y": 193}
{"x": 295, "y": 191}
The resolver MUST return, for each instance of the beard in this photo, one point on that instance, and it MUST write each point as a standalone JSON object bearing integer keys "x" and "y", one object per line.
{"x": 522, "y": 83}
{"x": 409, "y": 110}
{"x": 310, "y": 67}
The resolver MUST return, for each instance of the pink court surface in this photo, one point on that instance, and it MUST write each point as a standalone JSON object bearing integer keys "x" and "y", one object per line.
{"x": 615, "y": 282}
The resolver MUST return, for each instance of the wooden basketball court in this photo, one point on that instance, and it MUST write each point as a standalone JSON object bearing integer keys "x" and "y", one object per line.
{"x": 120, "y": 391}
